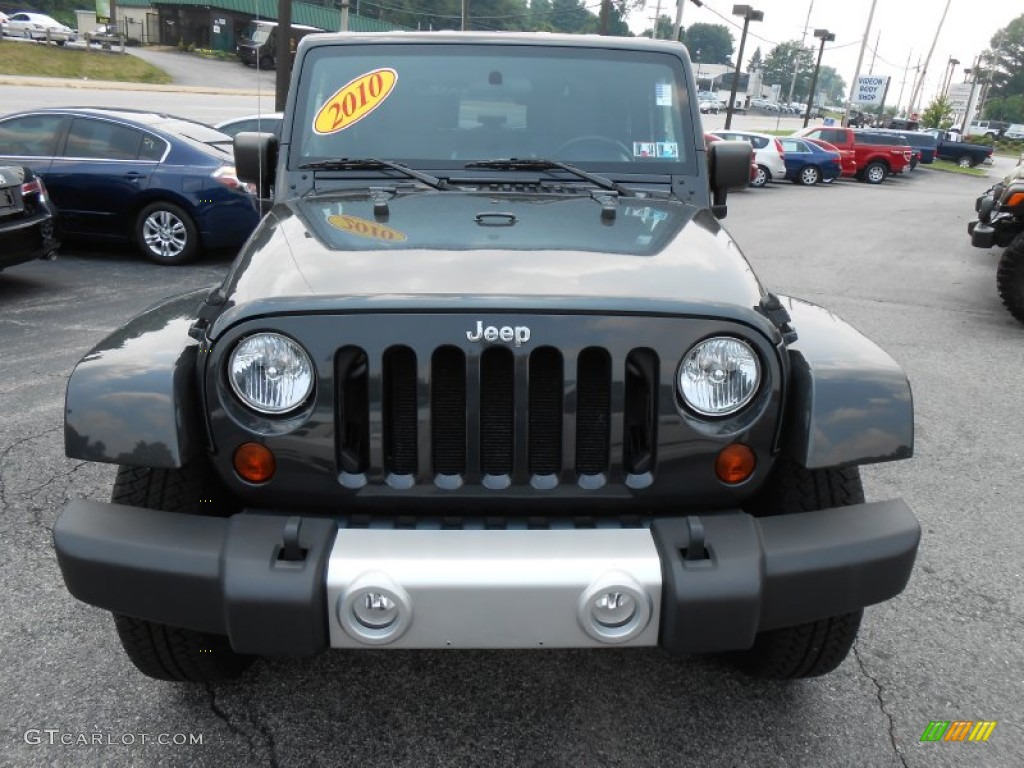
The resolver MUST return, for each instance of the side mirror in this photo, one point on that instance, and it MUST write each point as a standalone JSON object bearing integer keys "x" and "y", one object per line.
{"x": 256, "y": 160}
{"x": 728, "y": 168}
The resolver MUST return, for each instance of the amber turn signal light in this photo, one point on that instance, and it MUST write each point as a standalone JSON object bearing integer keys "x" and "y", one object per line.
{"x": 254, "y": 462}
{"x": 735, "y": 463}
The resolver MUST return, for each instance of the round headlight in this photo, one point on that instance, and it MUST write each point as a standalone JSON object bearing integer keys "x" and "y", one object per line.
{"x": 719, "y": 376}
{"x": 270, "y": 373}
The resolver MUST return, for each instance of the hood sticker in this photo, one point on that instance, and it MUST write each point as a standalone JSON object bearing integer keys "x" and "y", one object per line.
{"x": 363, "y": 228}
{"x": 354, "y": 101}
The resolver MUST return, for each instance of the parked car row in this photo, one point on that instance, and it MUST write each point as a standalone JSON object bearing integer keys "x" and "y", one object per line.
{"x": 169, "y": 185}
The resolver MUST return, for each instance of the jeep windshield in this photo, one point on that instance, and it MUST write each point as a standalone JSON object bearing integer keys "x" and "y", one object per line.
{"x": 447, "y": 105}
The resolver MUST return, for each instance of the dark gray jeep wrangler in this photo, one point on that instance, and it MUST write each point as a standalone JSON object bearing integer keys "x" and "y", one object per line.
{"x": 490, "y": 374}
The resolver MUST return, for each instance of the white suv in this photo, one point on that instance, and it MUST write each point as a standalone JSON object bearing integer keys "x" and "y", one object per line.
{"x": 768, "y": 154}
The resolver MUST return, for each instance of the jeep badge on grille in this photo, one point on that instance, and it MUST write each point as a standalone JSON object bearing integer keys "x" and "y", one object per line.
{"x": 507, "y": 333}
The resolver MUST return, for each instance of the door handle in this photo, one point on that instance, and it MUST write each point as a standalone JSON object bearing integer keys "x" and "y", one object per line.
{"x": 134, "y": 176}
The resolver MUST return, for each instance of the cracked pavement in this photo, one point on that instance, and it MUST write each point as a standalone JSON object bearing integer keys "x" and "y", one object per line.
{"x": 949, "y": 648}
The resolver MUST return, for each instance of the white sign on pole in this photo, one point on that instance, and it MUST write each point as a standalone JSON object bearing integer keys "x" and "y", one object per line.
{"x": 870, "y": 89}
{"x": 959, "y": 94}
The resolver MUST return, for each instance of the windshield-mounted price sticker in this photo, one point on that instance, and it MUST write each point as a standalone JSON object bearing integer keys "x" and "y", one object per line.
{"x": 354, "y": 101}
{"x": 363, "y": 228}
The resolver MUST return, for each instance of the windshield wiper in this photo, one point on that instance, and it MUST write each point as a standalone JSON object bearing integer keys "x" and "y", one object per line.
{"x": 540, "y": 164}
{"x": 371, "y": 163}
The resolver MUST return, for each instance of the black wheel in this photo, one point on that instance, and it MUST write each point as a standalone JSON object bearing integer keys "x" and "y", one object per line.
{"x": 965, "y": 161}
{"x": 166, "y": 234}
{"x": 818, "y": 647}
{"x": 809, "y": 175}
{"x": 1010, "y": 278}
{"x": 875, "y": 173}
{"x": 267, "y": 62}
{"x": 157, "y": 650}
{"x": 761, "y": 177}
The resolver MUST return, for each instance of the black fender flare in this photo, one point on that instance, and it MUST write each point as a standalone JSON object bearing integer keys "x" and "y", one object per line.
{"x": 133, "y": 399}
{"x": 850, "y": 403}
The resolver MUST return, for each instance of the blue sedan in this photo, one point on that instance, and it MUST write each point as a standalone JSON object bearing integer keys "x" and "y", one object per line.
{"x": 165, "y": 183}
{"x": 807, "y": 163}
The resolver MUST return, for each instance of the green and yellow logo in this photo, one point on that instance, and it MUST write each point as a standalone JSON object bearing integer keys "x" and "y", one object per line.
{"x": 958, "y": 730}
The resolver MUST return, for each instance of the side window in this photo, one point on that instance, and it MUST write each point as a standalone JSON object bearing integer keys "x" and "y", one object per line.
{"x": 833, "y": 136}
{"x": 759, "y": 142}
{"x": 152, "y": 147}
{"x": 102, "y": 140}
{"x": 30, "y": 136}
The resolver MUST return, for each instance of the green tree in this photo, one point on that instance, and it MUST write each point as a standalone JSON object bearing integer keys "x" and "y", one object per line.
{"x": 1005, "y": 60}
{"x": 781, "y": 63}
{"x": 1010, "y": 108}
{"x": 712, "y": 40}
{"x": 938, "y": 114}
{"x": 757, "y": 60}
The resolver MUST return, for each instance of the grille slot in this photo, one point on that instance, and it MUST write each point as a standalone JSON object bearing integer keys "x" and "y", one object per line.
{"x": 353, "y": 410}
{"x": 640, "y": 412}
{"x": 593, "y": 410}
{"x": 399, "y": 392}
{"x": 497, "y": 411}
{"x": 448, "y": 411}
{"x": 545, "y": 416}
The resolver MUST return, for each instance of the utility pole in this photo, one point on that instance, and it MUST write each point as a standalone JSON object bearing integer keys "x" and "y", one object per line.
{"x": 283, "y": 54}
{"x": 344, "y": 16}
{"x": 914, "y": 99}
{"x": 860, "y": 60}
{"x": 903, "y": 83}
{"x": 657, "y": 16}
{"x": 677, "y": 28}
{"x": 796, "y": 59}
{"x": 465, "y": 15}
{"x": 874, "y": 53}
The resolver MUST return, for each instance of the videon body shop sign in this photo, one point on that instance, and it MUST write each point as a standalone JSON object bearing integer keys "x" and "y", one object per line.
{"x": 870, "y": 89}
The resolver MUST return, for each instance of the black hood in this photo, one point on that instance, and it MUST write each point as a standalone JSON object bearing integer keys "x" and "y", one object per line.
{"x": 476, "y": 250}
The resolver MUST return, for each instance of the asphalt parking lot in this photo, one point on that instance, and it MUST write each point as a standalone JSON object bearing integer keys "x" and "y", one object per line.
{"x": 894, "y": 260}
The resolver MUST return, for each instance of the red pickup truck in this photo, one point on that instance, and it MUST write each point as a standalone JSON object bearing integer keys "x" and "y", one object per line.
{"x": 877, "y": 154}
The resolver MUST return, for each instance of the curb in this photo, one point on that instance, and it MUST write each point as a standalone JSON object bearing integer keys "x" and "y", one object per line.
{"x": 64, "y": 82}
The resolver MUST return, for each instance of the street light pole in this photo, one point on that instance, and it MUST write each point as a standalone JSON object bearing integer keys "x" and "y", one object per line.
{"x": 749, "y": 15}
{"x": 826, "y": 37}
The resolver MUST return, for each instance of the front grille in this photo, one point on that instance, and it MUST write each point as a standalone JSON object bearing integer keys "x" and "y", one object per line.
{"x": 502, "y": 418}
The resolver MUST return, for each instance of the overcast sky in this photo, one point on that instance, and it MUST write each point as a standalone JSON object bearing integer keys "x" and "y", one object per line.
{"x": 902, "y": 29}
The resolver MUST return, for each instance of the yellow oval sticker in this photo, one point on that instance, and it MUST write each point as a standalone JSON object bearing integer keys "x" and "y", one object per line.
{"x": 363, "y": 228}
{"x": 354, "y": 101}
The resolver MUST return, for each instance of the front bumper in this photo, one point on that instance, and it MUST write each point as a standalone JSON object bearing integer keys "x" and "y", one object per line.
{"x": 280, "y": 585}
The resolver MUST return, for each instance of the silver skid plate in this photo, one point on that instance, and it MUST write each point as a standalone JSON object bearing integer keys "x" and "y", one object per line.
{"x": 493, "y": 588}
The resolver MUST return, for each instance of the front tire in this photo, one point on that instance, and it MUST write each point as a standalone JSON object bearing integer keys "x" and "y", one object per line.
{"x": 166, "y": 234}
{"x": 157, "y": 650}
{"x": 817, "y": 647}
{"x": 1010, "y": 278}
